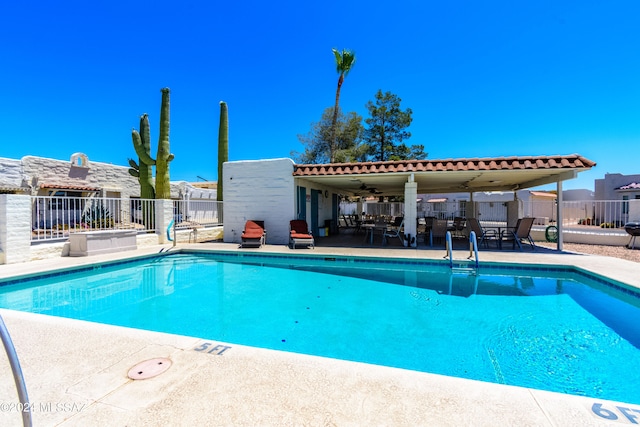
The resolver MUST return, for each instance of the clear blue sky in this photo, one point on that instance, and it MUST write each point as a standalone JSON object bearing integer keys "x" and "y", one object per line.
{"x": 484, "y": 79}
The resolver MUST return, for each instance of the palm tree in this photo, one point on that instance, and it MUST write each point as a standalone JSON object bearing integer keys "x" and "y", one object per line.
{"x": 344, "y": 63}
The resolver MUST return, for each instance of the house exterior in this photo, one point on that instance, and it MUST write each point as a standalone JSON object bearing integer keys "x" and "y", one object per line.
{"x": 42, "y": 200}
{"x": 278, "y": 190}
{"x": 80, "y": 177}
{"x": 615, "y": 186}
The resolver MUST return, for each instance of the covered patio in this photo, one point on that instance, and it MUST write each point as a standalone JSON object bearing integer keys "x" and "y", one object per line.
{"x": 408, "y": 178}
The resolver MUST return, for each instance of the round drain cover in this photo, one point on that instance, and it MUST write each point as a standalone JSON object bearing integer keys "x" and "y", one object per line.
{"x": 149, "y": 368}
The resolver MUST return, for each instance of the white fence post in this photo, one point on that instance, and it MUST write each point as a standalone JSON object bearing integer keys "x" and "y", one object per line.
{"x": 15, "y": 228}
{"x": 164, "y": 215}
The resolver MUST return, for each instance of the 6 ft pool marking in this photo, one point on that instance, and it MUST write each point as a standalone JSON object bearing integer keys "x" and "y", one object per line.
{"x": 609, "y": 414}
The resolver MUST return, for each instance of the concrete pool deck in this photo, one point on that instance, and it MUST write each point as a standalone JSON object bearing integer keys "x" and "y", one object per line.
{"x": 76, "y": 371}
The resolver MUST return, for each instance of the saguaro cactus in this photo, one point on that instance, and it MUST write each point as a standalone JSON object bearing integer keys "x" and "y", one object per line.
{"x": 164, "y": 156}
{"x": 142, "y": 145}
{"x": 223, "y": 144}
{"x": 143, "y": 170}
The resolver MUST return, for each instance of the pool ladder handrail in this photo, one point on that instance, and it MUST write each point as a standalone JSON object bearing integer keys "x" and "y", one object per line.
{"x": 17, "y": 374}
{"x": 448, "y": 248}
{"x": 473, "y": 249}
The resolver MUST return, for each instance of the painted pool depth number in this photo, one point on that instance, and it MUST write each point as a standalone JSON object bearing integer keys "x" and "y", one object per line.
{"x": 211, "y": 348}
{"x": 617, "y": 413}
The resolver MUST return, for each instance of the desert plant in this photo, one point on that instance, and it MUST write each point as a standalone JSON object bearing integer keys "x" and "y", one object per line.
{"x": 142, "y": 145}
{"x": 96, "y": 215}
{"x": 223, "y": 144}
{"x": 143, "y": 170}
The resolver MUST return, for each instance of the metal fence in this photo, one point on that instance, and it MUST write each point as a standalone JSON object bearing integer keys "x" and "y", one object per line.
{"x": 54, "y": 218}
{"x": 443, "y": 210}
{"x": 601, "y": 213}
{"x": 197, "y": 213}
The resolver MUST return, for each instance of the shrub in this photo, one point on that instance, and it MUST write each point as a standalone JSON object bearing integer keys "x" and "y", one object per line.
{"x": 97, "y": 216}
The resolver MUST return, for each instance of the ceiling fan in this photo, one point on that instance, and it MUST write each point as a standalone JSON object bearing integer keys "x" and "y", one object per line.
{"x": 372, "y": 190}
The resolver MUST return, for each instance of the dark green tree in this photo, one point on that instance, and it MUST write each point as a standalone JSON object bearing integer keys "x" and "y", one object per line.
{"x": 344, "y": 62}
{"x": 320, "y": 144}
{"x": 387, "y": 128}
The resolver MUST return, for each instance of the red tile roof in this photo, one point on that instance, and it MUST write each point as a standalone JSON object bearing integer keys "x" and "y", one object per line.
{"x": 573, "y": 161}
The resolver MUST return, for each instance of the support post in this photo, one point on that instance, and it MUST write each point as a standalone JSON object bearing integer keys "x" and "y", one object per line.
{"x": 411, "y": 211}
{"x": 559, "y": 214}
{"x": 164, "y": 215}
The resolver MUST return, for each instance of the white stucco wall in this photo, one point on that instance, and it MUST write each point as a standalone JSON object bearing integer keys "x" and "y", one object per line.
{"x": 15, "y": 228}
{"x": 258, "y": 190}
{"x": 10, "y": 172}
{"x": 111, "y": 178}
{"x": 40, "y": 170}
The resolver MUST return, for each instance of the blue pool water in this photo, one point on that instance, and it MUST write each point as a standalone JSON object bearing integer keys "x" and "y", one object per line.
{"x": 555, "y": 329}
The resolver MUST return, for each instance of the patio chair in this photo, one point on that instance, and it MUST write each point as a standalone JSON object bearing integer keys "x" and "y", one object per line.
{"x": 482, "y": 235}
{"x": 521, "y": 232}
{"x": 254, "y": 234}
{"x": 458, "y": 226}
{"x": 394, "y": 231}
{"x": 438, "y": 230}
{"x": 300, "y": 234}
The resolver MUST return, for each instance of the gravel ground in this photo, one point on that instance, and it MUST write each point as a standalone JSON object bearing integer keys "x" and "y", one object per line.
{"x": 612, "y": 251}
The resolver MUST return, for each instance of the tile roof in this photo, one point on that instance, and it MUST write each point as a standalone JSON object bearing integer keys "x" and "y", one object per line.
{"x": 13, "y": 189}
{"x": 544, "y": 194}
{"x": 573, "y": 161}
{"x": 631, "y": 186}
{"x": 69, "y": 187}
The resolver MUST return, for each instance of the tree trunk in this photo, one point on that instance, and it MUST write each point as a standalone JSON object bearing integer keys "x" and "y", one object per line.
{"x": 332, "y": 143}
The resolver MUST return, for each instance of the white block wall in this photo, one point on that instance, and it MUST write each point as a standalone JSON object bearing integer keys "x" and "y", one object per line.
{"x": 15, "y": 228}
{"x": 258, "y": 190}
{"x": 10, "y": 172}
{"x": 102, "y": 175}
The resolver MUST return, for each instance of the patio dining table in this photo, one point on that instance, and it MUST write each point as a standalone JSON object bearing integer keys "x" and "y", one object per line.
{"x": 499, "y": 229}
{"x": 370, "y": 230}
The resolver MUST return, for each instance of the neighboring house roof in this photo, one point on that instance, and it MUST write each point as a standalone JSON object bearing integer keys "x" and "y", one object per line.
{"x": 544, "y": 194}
{"x": 10, "y": 189}
{"x": 631, "y": 186}
{"x": 448, "y": 175}
{"x": 69, "y": 187}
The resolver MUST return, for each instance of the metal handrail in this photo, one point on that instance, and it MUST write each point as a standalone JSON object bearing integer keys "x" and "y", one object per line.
{"x": 473, "y": 247}
{"x": 17, "y": 374}
{"x": 449, "y": 247}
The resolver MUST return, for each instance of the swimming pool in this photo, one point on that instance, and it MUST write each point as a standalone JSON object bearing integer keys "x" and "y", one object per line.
{"x": 552, "y": 328}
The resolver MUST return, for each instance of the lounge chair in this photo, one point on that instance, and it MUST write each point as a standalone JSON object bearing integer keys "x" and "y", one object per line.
{"x": 521, "y": 232}
{"x": 300, "y": 234}
{"x": 458, "y": 226}
{"x": 394, "y": 230}
{"x": 253, "y": 234}
{"x": 482, "y": 236}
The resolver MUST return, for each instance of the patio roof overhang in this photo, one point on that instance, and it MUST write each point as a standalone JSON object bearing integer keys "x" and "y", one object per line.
{"x": 72, "y": 187}
{"x": 445, "y": 176}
